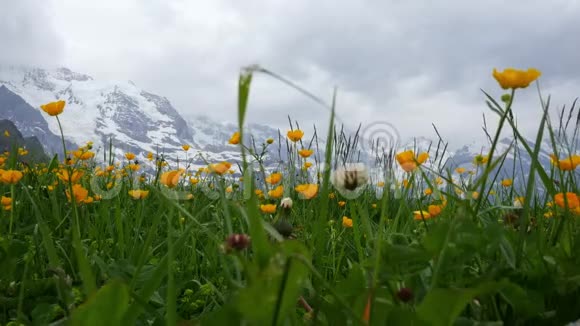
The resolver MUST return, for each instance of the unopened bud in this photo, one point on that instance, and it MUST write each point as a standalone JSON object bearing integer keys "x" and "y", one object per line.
{"x": 286, "y": 203}
{"x": 237, "y": 242}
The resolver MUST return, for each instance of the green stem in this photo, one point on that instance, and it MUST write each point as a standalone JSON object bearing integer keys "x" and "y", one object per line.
{"x": 12, "y": 197}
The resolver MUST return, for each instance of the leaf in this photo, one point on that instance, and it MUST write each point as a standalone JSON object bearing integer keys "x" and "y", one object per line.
{"x": 271, "y": 297}
{"x": 106, "y": 307}
{"x": 441, "y": 307}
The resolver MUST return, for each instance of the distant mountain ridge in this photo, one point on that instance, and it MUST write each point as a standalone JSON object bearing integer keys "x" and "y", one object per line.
{"x": 139, "y": 121}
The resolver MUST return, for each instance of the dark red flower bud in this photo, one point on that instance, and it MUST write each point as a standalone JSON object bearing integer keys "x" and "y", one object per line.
{"x": 405, "y": 294}
{"x": 237, "y": 242}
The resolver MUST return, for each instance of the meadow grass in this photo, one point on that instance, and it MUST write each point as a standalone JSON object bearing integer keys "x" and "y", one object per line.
{"x": 416, "y": 243}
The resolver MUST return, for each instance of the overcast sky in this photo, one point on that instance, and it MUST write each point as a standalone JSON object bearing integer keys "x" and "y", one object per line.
{"x": 411, "y": 63}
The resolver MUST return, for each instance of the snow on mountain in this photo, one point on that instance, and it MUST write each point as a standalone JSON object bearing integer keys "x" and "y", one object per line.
{"x": 98, "y": 111}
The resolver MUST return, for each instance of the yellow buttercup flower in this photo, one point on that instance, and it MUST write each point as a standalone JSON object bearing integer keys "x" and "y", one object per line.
{"x": 53, "y": 108}
{"x": 11, "y": 176}
{"x": 571, "y": 198}
{"x": 235, "y": 139}
{"x": 79, "y": 193}
{"x": 567, "y": 164}
{"x": 220, "y": 168}
{"x": 305, "y": 152}
{"x": 83, "y": 155}
{"x": 274, "y": 178}
{"x": 150, "y": 156}
{"x": 515, "y": 78}
{"x": 507, "y": 182}
{"x": 480, "y": 159}
{"x": 277, "y": 192}
{"x": 268, "y": 208}
{"x": 270, "y": 140}
{"x": 307, "y": 191}
{"x": 6, "y": 133}
{"x": 66, "y": 177}
{"x": 409, "y": 162}
{"x": 346, "y": 222}
{"x": 138, "y": 194}
{"x": 295, "y": 135}
{"x": 186, "y": 147}
{"x": 171, "y": 178}
{"x": 460, "y": 170}
{"x": 130, "y": 156}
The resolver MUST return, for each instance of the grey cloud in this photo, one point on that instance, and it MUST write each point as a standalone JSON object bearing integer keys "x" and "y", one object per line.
{"x": 27, "y": 33}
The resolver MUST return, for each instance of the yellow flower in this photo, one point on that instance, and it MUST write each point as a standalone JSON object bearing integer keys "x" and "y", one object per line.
{"x": 150, "y": 156}
{"x": 66, "y": 177}
{"x": 83, "y": 155}
{"x": 268, "y": 208}
{"x": 409, "y": 162}
{"x": 341, "y": 203}
{"x": 406, "y": 183}
{"x": 380, "y": 184}
{"x": 439, "y": 181}
{"x": 53, "y": 108}
{"x": 572, "y": 199}
{"x": 186, "y": 147}
{"x": 274, "y": 178}
{"x": 428, "y": 191}
{"x": 305, "y": 152}
{"x": 171, "y": 178}
{"x": 346, "y": 222}
{"x": 235, "y": 139}
{"x": 514, "y": 78}
{"x": 295, "y": 135}
{"x": 277, "y": 192}
{"x": 307, "y": 191}
{"x": 567, "y": 164}
{"x": 374, "y": 205}
{"x": 270, "y": 140}
{"x": 480, "y": 159}
{"x": 307, "y": 165}
{"x": 138, "y": 194}
{"x": 460, "y": 170}
{"x": 79, "y": 193}
{"x": 129, "y": 156}
{"x": 507, "y": 182}
{"x": 220, "y": 168}
{"x": 193, "y": 181}
{"x": 419, "y": 215}
{"x": 6, "y": 133}
{"x": 133, "y": 167}
{"x": 475, "y": 195}
{"x": 10, "y": 176}
{"x": 434, "y": 210}
{"x": 331, "y": 195}
{"x": 6, "y": 201}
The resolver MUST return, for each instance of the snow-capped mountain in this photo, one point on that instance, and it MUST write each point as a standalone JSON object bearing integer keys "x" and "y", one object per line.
{"x": 100, "y": 111}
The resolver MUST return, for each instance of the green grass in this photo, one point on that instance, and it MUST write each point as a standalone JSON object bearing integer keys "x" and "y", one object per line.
{"x": 168, "y": 258}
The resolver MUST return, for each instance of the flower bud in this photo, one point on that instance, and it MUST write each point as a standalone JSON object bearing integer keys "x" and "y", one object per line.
{"x": 237, "y": 242}
{"x": 405, "y": 294}
{"x": 506, "y": 98}
{"x": 286, "y": 203}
